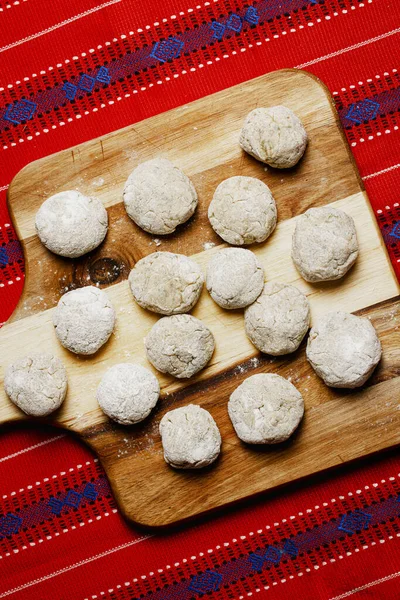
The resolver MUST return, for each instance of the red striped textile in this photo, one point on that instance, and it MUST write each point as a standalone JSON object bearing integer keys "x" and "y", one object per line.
{"x": 71, "y": 71}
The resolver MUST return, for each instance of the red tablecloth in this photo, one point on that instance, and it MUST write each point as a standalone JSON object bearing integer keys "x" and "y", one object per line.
{"x": 71, "y": 71}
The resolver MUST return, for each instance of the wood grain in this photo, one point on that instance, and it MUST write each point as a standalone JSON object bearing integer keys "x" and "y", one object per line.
{"x": 202, "y": 139}
{"x": 133, "y": 323}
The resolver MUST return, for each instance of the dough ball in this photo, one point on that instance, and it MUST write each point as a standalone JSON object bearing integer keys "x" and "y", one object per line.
{"x": 235, "y": 277}
{"x": 278, "y": 320}
{"x": 265, "y": 409}
{"x": 343, "y": 349}
{"x": 84, "y": 320}
{"x": 242, "y": 211}
{"x": 158, "y": 196}
{"x": 71, "y": 224}
{"x": 275, "y": 136}
{"x": 324, "y": 244}
{"x": 128, "y": 393}
{"x": 37, "y": 384}
{"x": 180, "y": 345}
{"x": 166, "y": 283}
{"x": 190, "y": 437}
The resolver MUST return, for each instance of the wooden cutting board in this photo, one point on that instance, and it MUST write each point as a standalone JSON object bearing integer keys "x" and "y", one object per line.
{"x": 202, "y": 139}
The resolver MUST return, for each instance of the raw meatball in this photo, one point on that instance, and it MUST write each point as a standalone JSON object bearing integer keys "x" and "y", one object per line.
{"x": 343, "y": 349}
{"x": 278, "y": 320}
{"x": 37, "y": 384}
{"x": 166, "y": 283}
{"x": 71, "y": 224}
{"x": 265, "y": 409}
{"x": 180, "y": 345}
{"x": 84, "y": 320}
{"x": 190, "y": 437}
{"x": 127, "y": 393}
{"x": 158, "y": 196}
{"x": 235, "y": 277}
{"x": 324, "y": 244}
{"x": 242, "y": 211}
{"x": 275, "y": 136}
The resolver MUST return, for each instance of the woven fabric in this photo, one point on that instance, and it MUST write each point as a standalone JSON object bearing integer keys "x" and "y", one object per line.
{"x": 71, "y": 71}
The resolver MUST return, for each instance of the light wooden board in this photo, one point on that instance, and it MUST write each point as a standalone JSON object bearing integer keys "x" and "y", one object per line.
{"x": 202, "y": 139}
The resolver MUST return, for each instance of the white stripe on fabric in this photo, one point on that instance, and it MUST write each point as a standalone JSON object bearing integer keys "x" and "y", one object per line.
{"x": 367, "y": 585}
{"x": 73, "y": 566}
{"x": 382, "y": 172}
{"x": 349, "y": 48}
{"x": 29, "y": 448}
{"x": 58, "y": 25}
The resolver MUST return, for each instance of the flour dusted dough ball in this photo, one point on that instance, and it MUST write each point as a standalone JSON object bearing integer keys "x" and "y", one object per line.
{"x": 242, "y": 211}
{"x": 278, "y": 320}
{"x": 71, "y": 224}
{"x": 127, "y": 393}
{"x": 324, "y": 244}
{"x": 166, "y": 283}
{"x": 343, "y": 349}
{"x": 265, "y": 409}
{"x": 180, "y": 345}
{"x": 158, "y": 196}
{"x": 36, "y": 383}
{"x": 84, "y": 320}
{"x": 190, "y": 437}
{"x": 235, "y": 277}
{"x": 275, "y": 136}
